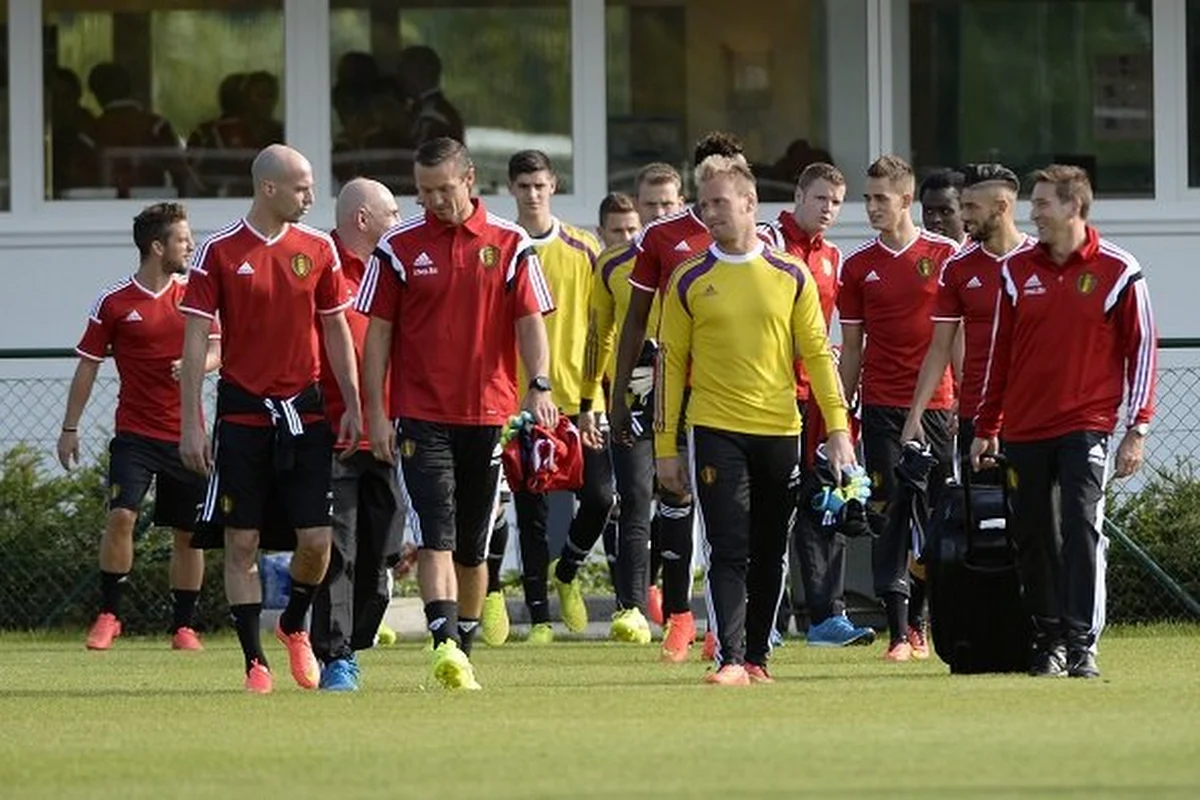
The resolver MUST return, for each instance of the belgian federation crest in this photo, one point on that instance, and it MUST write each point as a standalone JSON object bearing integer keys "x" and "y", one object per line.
{"x": 1086, "y": 283}
{"x": 925, "y": 267}
{"x": 708, "y": 475}
{"x": 301, "y": 265}
{"x": 489, "y": 256}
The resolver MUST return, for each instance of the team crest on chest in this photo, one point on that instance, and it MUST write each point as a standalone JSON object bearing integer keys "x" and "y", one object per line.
{"x": 924, "y": 267}
{"x": 301, "y": 265}
{"x": 1086, "y": 283}
{"x": 489, "y": 256}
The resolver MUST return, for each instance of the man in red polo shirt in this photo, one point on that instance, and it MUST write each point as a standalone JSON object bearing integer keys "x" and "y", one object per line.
{"x": 968, "y": 290}
{"x": 454, "y": 294}
{"x": 271, "y": 281}
{"x": 663, "y": 245}
{"x": 137, "y": 320}
{"x": 1075, "y": 336}
{"x": 368, "y": 512}
{"x": 887, "y": 291}
{"x": 821, "y": 555}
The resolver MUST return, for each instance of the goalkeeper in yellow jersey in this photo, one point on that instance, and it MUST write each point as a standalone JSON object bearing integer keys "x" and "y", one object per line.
{"x": 736, "y": 316}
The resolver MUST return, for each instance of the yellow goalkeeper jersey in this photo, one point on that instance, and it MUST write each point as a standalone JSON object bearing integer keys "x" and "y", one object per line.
{"x": 740, "y": 321}
{"x": 568, "y": 257}
{"x": 610, "y": 303}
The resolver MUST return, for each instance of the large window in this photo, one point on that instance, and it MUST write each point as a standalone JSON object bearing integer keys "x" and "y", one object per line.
{"x": 495, "y": 74}
{"x": 1193, "y": 92}
{"x": 1030, "y": 82}
{"x": 159, "y": 103}
{"x": 5, "y": 170}
{"x": 765, "y": 71}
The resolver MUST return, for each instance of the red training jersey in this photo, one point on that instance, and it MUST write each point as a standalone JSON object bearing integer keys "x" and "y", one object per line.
{"x": 824, "y": 261}
{"x": 968, "y": 291}
{"x": 890, "y": 293}
{"x": 353, "y": 271}
{"x": 663, "y": 245}
{"x": 144, "y": 331}
{"x": 454, "y": 294}
{"x": 1069, "y": 339}
{"x": 268, "y": 293}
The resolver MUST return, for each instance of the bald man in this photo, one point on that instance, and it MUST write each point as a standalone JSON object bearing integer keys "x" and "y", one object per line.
{"x": 368, "y": 512}
{"x": 274, "y": 283}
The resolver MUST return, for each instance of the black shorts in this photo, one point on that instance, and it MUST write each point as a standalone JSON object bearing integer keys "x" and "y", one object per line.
{"x": 450, "y": 478}
{"x": 134, "y": 461}
{"x": 245, "y": 479}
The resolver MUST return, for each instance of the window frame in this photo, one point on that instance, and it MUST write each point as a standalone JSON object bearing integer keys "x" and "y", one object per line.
{"x": 32, "y": 219}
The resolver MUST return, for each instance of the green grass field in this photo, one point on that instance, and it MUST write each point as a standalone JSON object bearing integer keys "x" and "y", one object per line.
{"x": 589, "y": 719}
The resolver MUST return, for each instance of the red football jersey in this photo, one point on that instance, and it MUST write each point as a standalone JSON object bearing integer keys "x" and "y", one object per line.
{"x": 665, "y": 244}
{"x": 891, "y": 294}
{"x": 268, "y": 293}
{"x": 454, "y": 294}
{"x": 1069, "y": 339}
{"x": 824, "y": 261}
{"x": 968, "y": 292}
{"x": 353, "y": 271}
{"x": 145, "y": 333}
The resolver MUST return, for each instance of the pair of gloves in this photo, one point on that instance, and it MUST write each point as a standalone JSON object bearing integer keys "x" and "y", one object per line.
{"x": 840, "y": 506}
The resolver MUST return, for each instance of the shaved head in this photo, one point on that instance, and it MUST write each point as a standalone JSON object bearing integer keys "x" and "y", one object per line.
{"x": 276, "y": 163}
{"x": 365, "y": 210}
{"x": 358, "y": 193}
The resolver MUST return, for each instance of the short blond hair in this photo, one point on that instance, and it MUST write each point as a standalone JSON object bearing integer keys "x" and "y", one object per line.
{"x": 734, "y": 167}
{"x": 896, "y": 171}
{"x": 1070, "y": 183}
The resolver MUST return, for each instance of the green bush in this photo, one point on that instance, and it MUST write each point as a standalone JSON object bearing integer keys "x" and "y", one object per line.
{"x": 50, "y": 526}
{"x": 1163, "y": 518}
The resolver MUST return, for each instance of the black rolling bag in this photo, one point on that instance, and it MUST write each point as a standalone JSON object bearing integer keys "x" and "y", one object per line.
{"x": 978, "y": 621}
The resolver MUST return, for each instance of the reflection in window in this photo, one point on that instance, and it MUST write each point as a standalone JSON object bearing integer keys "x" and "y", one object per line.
{"x": 1030, "y": 82}
{"x": 160, "y": 103}
{"x": 492, "y": 73}
{"x": 677, "y": 70}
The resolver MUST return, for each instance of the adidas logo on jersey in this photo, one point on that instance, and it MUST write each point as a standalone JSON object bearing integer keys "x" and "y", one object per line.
{"x": 133, "y": 316}
{"x": 1033, "y": 285}
{"x": 682, "y": 247}
{"x": 245, "y": 269}
{"x": 872, "y": 276}
{"x": 974, "y": 283}
{"x": 423, "y": 260}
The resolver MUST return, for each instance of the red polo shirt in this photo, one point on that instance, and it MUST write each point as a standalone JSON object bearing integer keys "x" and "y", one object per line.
{"x": 1069, "y": 339}
{"x": 665, "y": 244}
{"x": 824, "y": 261}
{"x": 890, "y": 294}
{"x": 453, "y": 294}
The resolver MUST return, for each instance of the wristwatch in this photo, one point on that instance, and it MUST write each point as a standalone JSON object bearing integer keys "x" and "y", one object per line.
{"x": 1141, "y": 429}
{"x": 541, "y": 383}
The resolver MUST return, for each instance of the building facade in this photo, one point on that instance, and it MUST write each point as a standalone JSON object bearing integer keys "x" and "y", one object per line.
{"x": 101, "y": 94}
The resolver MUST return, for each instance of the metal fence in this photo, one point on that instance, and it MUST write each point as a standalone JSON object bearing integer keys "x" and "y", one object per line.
{"x": 50, "y": 520}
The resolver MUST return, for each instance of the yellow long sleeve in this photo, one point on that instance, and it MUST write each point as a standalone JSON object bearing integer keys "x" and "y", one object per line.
{"x": 811, "y": 340}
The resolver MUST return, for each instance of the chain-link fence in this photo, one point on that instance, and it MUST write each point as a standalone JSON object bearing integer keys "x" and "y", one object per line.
{"x": 50, "y": 520}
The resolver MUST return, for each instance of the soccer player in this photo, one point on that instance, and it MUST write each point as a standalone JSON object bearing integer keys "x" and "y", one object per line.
{"x": 968, "y": 290}
{"x": 661, "y": 247}
{"x": 368, "y": 512}
{"x": 1075, "y": 335}
{"x": 941, "y": 204}
{"x": 820, "y": 192}
{"x": 621, "y": 219}
{"x": 453, "y": 295}
{"x": 138, "y": 320}
{"x": 567, "y": 256}
{"x": 738, "y": 315}
{"x": 271, "y": 281}
{"x": 885, "y": 300}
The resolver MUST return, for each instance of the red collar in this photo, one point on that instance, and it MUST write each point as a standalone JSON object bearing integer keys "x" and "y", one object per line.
{"x": 351, "y": 264}
{"x": 794, "y": 233}
{"x": 475, "y": 224}
{"x": 1086, "y": 251}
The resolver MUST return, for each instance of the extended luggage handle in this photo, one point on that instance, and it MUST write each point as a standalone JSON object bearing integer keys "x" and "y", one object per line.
{"x": 967, "y": 472}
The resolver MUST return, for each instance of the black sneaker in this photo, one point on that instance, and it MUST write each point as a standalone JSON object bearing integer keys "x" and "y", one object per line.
{"x": 1049, "y": 662}
{"x": 1082, "y": 664}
